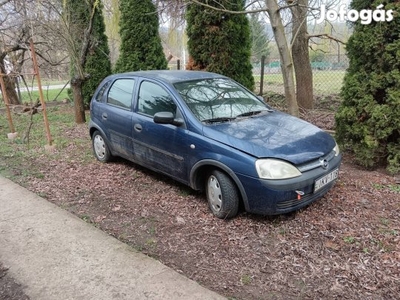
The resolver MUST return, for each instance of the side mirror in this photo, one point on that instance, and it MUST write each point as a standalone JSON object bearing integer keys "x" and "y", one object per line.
{"x": 165, "y": 117}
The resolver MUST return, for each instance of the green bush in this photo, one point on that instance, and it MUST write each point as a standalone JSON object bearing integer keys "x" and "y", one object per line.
{"x": 220, "y": 41}
{"x": 368, "y": 120}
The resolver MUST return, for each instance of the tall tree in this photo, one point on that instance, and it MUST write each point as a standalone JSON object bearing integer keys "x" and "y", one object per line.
{"x": 21, "y": 21}
{"x": 97, "y": 64}
{"x": 9, "y": 79}
{"x": 368, "y": 120}
{"x": 300, "y": 55}
{"x": 220, "y": 41}
{"x": 111, "y": 18}
{"x": 141, "y": 47}
{"x": 80, "y": 19}
{"x": 274, "y": 12}
{"x": 15, "y": 34}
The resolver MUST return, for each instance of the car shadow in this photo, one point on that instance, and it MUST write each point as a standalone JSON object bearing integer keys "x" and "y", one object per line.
{"x": 200, "y": 195}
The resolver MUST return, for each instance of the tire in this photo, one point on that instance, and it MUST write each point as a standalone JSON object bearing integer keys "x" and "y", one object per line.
{"x": 100, "y": 148}
{"x": 222, "y": 195}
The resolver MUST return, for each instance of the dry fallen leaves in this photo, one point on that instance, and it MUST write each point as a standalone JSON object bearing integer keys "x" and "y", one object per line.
{"x": 344, "y": 246}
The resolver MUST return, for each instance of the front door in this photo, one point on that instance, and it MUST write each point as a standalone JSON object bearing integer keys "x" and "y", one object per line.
{"x": 158, "y": 146}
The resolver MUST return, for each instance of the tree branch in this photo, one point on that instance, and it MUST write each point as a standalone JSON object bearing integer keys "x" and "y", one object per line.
{"x": 227, "y": 10}
{"x": 325, "y": 36}
{"x": 287, "y": 6}
{"x": 87, "y": 36}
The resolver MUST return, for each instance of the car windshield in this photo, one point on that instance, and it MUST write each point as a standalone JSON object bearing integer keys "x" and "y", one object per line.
{"x": 219, "y": 99}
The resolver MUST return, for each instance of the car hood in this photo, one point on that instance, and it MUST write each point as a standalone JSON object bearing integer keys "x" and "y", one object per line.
{"x": 274, "y": 135}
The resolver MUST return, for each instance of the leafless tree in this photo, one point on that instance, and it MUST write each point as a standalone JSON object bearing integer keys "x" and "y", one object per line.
{"x": 14, "y": 40}
{"x": 21, "y": 21}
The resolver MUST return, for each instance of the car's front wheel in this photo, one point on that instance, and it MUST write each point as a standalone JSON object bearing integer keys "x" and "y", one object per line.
{"x": 222, "y": 195}
{"x": 100, "y": 148}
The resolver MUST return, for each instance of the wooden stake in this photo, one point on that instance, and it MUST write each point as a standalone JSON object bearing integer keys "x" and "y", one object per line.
{"x": 36, "y": 71}
{"x": 5, "y": 97}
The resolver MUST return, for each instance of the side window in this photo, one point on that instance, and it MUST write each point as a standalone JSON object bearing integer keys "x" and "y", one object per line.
{"x": 120, "y": 93}
{"x": 153, "y": 98}
{"x": 99, "y": 95}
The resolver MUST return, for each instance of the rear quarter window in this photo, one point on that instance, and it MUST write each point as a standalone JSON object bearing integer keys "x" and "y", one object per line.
{"x": 100, "y": 93}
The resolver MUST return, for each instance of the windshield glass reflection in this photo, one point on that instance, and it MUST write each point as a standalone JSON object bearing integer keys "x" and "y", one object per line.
{"x": 219, "y": 99}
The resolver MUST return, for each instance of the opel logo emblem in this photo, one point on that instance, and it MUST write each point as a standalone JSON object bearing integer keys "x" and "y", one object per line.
{"x": 324, "y": 163}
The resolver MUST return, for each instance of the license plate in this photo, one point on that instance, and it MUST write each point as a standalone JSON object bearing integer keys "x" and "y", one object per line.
{"x": 320, "y": 183}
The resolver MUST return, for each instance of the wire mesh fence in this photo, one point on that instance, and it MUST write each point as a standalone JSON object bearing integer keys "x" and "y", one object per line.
{"x": 328, "y": 75}
{"x": 328, "y": 72}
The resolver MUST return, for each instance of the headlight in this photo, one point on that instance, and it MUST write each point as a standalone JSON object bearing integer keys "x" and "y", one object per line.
{"x": 275, "y": 169}
{"x": 336, "y": 149}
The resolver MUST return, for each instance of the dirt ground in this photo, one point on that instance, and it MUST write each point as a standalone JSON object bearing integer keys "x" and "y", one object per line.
{"x": 344, "y": 246}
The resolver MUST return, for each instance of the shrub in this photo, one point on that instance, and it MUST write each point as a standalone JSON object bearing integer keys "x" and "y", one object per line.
{"x": 368, "y": 120}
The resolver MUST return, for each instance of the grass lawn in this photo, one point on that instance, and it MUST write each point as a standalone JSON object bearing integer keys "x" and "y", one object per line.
{"x": 48, "y": 94}
{"x": 60, "y": 117}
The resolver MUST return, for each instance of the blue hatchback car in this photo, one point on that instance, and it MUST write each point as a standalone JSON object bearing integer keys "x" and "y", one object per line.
{"x": 210, "y": 133}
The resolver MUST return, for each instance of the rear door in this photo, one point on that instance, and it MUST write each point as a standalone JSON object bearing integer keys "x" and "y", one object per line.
{"x": 116, "y": 116}
{"x": 159, "y": 146}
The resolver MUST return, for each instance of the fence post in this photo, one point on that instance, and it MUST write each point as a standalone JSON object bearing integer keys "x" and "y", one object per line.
{"x": 262, "y": 75}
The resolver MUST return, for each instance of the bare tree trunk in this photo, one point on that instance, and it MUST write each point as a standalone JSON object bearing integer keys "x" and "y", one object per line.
{"x": 79, "y": 63}
{"x": 300, "y": 55}
{"x": 9, "y": 86}
{"x": 285, "y": 56}
{"x": 76, "y": 85}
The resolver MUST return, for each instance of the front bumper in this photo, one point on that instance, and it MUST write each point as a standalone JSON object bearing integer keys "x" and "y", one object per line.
{"x": 272, "y": 197}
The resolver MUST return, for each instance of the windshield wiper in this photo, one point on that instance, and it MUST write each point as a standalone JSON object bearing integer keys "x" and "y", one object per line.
{"x": 249, "y": 113}
{"x": 218, "y": 120}
{"x": 253, "y": 113}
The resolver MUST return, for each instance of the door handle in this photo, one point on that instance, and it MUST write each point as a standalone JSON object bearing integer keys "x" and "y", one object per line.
{"x": 137, "y": 127}
{"x": 104, "y": 116}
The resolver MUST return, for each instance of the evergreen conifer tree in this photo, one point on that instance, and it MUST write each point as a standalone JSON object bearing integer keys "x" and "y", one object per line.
{"x": 141, "y": 47}
{"x": 368, "y": 120}
{"x": 219, "y": 41}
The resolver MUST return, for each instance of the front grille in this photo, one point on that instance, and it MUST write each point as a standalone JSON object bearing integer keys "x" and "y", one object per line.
{"x": 316, "y": 163}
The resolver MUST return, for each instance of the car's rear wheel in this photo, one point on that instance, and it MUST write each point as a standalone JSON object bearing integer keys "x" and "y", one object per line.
{"x": 100, "y": 148}
{"x": 222, "y": 195}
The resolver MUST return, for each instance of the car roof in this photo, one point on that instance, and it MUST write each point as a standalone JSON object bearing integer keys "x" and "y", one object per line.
{"x": 171, "y": 76}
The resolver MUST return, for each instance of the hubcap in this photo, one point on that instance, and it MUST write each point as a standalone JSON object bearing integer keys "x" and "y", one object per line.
{"x": 99, "y": 146}
{"x": 214, "y": 193}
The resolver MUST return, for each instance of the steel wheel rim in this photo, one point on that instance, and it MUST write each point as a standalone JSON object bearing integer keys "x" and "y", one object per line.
{"x": 214, "y": 193}
{"x": 99, "y": 146}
